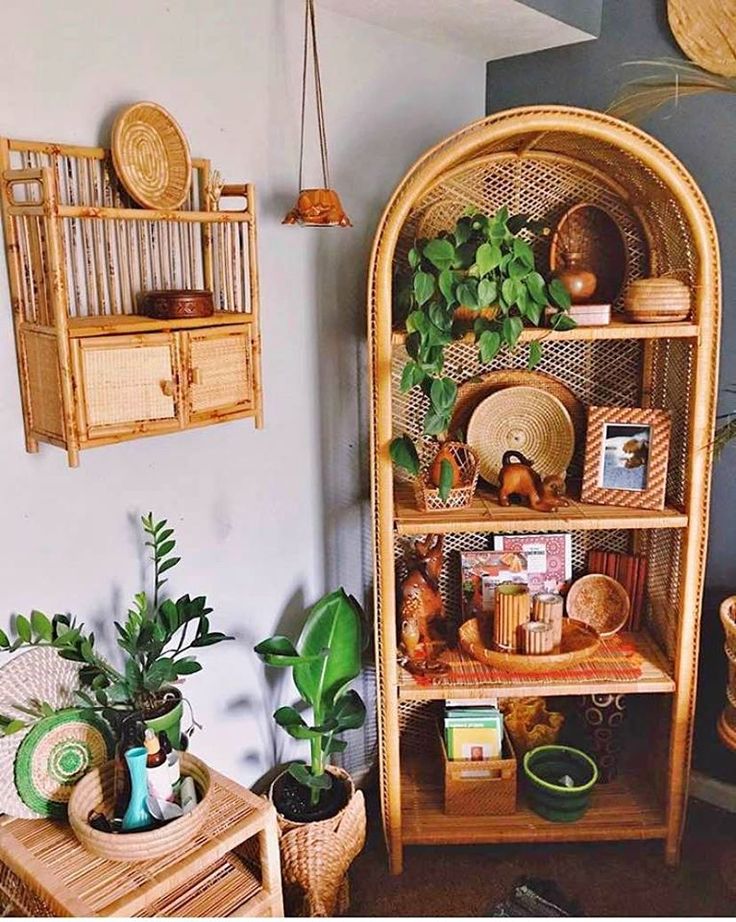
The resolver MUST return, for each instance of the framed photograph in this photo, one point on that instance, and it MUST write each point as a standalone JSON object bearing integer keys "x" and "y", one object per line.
{"x": 626, "y": 453}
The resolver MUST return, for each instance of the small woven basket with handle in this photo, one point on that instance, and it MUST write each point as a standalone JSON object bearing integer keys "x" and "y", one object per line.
{"x": 428, "y": 495}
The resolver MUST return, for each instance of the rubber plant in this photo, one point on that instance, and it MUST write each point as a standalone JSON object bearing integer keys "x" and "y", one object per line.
{"x": 157, "y": 639}
{"x": 479, "y": 276}
{"x": 324, "y": 661}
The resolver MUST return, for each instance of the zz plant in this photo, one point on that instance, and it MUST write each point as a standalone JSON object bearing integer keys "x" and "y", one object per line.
{"x": 325, "y": 660}
{"x": 156, "y": 638}
{"x": 485, "y": 268}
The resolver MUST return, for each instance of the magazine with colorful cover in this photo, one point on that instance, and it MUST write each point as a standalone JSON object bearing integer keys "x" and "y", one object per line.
{"x": 481, "y": 572}
{"x": 548, "y": 559}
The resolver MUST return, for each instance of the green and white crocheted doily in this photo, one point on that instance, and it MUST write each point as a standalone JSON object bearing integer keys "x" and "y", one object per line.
{"x": 55, "y": 754}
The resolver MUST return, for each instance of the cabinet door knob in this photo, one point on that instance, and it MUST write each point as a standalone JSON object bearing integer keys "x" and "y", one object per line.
{"x": 195, "y": 376}
{"x": 168, "y": 388}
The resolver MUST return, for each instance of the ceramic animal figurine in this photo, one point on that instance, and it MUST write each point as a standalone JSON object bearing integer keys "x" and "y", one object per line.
{"x": 420, "y": 592}
{"x": 517, "y": 477}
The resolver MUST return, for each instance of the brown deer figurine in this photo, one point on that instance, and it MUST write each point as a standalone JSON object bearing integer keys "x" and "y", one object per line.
{"x": 420, "y": 592}
{"x": 517, "y": 477}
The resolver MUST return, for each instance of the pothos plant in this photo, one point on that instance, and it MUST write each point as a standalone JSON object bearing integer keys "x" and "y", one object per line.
{"x": 326, "y": 658}
{"x": 481, "y": 276}
{"x": 156, "y": 638}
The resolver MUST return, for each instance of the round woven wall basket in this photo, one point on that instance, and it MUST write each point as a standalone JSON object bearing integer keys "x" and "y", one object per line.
{"x": 96, "y": 792}
{"x": 39, "y": 674}
{"x": 524, "y": 420}
{"x": 55, "y": 755}
{"x": 151, "y": 156}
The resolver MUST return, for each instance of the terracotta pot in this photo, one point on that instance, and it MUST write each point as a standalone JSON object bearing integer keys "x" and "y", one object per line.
{"x": 469, "y": 314}
{"x": 579, "y": 281}
{"x": 316, "y": 856}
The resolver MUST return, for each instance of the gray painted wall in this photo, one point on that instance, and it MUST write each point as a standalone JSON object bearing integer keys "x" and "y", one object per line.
{"x": 701, "y": 131}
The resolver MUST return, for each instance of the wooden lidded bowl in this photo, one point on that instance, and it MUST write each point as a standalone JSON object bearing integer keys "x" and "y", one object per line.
{"x": 96, "y": 792}
{"x": 177, "y": 304}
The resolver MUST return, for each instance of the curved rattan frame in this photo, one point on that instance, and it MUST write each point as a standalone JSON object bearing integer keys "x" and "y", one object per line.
{"x": 533, "y": 124}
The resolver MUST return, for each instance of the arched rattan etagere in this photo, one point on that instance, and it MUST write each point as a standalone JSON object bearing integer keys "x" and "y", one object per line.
{"x": 542, "y": 160}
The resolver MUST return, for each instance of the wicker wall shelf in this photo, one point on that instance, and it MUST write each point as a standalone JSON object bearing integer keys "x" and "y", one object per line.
{"x": 616, "y": 329}
{"x": 542, "y": 161}
{"x": 91, "y": 370}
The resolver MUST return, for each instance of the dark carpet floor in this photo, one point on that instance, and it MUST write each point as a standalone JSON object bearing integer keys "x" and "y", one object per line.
{"x": 607, "y": 879}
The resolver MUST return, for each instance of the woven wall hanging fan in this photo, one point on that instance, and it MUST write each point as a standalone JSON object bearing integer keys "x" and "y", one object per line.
{"x": 706, "y": 32}
{"x": 526, "y": 420}
{"x": 151, "y": 156}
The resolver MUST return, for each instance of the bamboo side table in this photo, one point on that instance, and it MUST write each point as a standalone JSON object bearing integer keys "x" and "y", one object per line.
{"x": 231, "y": 868}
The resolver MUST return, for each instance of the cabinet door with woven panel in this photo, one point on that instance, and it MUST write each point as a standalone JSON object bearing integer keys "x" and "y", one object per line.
{"x": 220, "y": 371}
{"x": 126, "y": 385}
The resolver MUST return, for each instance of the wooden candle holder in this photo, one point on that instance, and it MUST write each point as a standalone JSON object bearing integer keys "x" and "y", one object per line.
{"x": 549, "y": 608}
{"x": 537, "y": 638}
{"x": 512, "y": 606}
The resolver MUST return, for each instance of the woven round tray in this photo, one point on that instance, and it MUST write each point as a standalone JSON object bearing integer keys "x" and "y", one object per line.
{"x": 57, "y": 752}
{"x": 470, "y": 394}
{"x": 526, "y": 420}
{"x": 579, "y": 641}
{"x": 151, "y": 156}
{"x": 600, "y": 602}
{"x": 96, "y": 792}
{"x": 594, "y": 236}
{"x": 39, "y": 674}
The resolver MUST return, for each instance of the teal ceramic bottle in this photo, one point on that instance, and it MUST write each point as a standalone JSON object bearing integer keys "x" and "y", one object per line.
{"x": 137, "y": 815}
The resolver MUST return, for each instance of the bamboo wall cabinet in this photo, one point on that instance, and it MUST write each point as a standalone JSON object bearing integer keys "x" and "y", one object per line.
{"x": 541, "y": 161}
{"x": 92, "y": 371}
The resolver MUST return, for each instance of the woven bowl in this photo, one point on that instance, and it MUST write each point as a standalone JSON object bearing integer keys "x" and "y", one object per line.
{"x": 151, "y": 156}
{"x": 656, "y": 300}
{"x": 600, "y": 601}
{"x": 96, "y": 792}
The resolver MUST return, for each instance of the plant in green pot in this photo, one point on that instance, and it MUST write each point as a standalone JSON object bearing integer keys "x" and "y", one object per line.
{"x": 317, "y": 803}
{"x": 157, "y": 640}
{"x": 479, "y": 277}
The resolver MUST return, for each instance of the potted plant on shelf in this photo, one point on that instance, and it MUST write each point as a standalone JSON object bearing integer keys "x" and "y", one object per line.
{"x": 156, "y": 639}
{"x": 479, "y": 277}
{"x": 321, "y": 815}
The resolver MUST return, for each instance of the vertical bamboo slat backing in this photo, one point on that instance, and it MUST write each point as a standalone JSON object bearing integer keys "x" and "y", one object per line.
{"x": 541, "y": 160}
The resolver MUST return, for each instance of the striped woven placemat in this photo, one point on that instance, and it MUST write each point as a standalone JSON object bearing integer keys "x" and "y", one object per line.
{"x": 615, "y": 660}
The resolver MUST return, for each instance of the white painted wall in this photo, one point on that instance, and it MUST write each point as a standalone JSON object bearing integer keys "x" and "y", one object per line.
{"x": 266, "y": 520}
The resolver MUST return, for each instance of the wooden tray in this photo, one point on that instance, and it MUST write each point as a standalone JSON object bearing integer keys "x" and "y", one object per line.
{"x": 578, "y": 642}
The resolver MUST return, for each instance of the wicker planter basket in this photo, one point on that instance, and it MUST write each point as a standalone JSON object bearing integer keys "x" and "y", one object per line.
{"x": 428, "y": 495}
{"x": 96, "y": 791}
{"x": 727, "y": 720}
{"x": 315, "y": 857}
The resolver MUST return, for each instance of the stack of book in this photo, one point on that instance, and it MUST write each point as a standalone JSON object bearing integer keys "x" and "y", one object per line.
{"x": 631, "y": 571}
{"x": 473, "y": 729}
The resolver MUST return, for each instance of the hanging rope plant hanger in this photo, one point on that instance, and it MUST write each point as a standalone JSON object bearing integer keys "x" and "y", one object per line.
{"x": 315, "y": 207}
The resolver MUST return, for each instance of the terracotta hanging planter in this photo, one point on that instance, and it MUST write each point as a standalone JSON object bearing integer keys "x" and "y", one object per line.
{"x": 318, "y": 208}
{"x": 315, "y": 207}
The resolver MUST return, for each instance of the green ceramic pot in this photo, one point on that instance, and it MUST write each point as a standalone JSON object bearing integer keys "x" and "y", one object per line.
{"x": 543, "y": 769}
{"x": 170, "y": 721}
